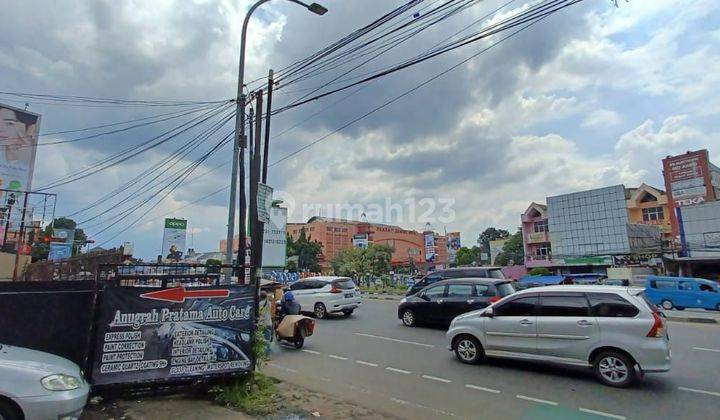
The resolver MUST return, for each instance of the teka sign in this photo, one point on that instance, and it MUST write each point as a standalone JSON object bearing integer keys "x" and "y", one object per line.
{"x": 688, "y": 181}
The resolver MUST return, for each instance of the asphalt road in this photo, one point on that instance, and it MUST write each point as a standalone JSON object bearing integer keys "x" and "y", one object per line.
{"x": 373, "y": 360}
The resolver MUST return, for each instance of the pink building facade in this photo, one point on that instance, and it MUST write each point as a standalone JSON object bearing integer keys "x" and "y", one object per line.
{"x": 536, "y": 237}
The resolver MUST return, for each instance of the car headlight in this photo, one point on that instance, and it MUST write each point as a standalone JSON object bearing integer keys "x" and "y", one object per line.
{"x": 60, "y": 382}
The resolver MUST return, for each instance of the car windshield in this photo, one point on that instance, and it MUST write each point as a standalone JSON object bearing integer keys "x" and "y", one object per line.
{"x": 344, "y": 284}
{"x": 505, "y": 289}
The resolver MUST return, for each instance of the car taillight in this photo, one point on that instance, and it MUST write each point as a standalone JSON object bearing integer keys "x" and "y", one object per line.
{"x": 658, "y": 328}
{"x": 335, "y": 289}
{"x": 495, "y": 299}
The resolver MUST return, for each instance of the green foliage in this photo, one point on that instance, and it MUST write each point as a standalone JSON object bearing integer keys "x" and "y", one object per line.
{"x": 212, "y": 261}
{"x": 539, "y": 271}
{"x": 306, "y": 250}
{"x": 513, "y": 251}
{"x": 491, "y": 234}
{"x": 356, "y": 262}
{"x": 260, "y": 346}
{"x": 253, "y": 393}
{"x": 465, "y": 256}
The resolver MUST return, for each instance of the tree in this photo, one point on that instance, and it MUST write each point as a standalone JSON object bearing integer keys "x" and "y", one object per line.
{"x": 491, "y": 234}
{"x": 41, "y": 249}
{"x": 306, "y": 250}
{"x": 512, "y": 251}
{"x": 356, "y": 262}
{"x": 465, "y": 256}
{"x": 539, "y": 271}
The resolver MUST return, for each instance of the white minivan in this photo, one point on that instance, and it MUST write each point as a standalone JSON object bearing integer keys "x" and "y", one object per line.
{"x": 326, "y": 294}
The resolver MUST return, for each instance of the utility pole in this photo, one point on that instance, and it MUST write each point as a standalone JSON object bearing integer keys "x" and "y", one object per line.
{"x": 21, "y": 240}
{"x": 266, "y": 146}
{"x": 256, "y": 227}
{"x": 239, "y": 144}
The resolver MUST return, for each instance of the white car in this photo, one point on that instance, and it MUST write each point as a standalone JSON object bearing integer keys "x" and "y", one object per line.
{"x": 36, "y": 386}
{"x": 615, "y": 330}
{"x": 326, "y": 294}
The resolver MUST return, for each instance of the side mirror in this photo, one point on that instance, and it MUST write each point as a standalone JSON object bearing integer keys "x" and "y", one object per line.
{"x": 489, "y": 312}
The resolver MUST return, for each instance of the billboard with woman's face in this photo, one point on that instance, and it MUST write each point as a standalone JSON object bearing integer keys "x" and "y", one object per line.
{"x": 18, "y": 143}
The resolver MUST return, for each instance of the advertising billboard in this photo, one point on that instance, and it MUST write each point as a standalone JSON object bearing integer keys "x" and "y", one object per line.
{"x": 274, "y": 253}
{"x": 688, "y": 181}
{"x": 174, "y": 234}
{"x": 429, "y": 246}
{"x": 360, "y": 241}
{"x": 60, "y": 251}
{"x": 453, "y": 245}
{"x": 150, "y": 334}
{"x": 18, "y": 145}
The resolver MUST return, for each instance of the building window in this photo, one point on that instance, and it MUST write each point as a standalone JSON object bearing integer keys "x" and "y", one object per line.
{"x": 543, "y": 253}
{"x": 541, "y": 226}
{"x": 653, "y": 213}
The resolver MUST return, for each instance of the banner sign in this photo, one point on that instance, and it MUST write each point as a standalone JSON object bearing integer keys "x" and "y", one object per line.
{"x": 18, "y": 144}
{"x": 274, "y": 252}
{"x": 174, "y": 236}
{"x": 429, "y": 247}
{"x": 453, "y": 246}
{"x": 150, "y": 334}
{"x": 264, "y": 202}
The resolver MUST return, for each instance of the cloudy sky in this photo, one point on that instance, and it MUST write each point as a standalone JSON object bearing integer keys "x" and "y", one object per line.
{"x": 593, "y": 96}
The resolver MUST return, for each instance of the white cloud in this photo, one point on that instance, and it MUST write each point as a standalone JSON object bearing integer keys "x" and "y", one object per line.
{"x": 602, "y": 118}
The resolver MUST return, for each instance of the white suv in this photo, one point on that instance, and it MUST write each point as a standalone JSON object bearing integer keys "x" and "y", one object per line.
{"x": 615, "y": 330}
{"x": 326, "y": 294}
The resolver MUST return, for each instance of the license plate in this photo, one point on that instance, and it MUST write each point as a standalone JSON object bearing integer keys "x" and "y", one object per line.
{"x": 349, "y": 295}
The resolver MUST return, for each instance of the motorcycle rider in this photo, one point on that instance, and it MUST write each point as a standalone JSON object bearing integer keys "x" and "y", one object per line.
{"x": 289, "y": 306}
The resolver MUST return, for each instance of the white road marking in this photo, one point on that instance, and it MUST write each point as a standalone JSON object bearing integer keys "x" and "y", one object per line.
{"x": 332, "y": 356}
{"x": 311, "y": 351}
{"x": 704, "y": 349}
{"x": 602, "y": 413}
{"x": 435, "y": 378}
{"x": 392, "y": 369}
{"x": 282, "y": 368}
{"x": 362, "y": 362}
{"x": 399, "y": 401}
{"x": 482, "y": 388}
{"x": 395, "y": 340}
{"x": 537, "y": 400}
{"x": 699, "y": 391}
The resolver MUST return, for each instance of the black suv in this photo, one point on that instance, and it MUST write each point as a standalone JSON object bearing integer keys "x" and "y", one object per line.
{"x": 441, "y": 302}
{"x": 454, "y": 273}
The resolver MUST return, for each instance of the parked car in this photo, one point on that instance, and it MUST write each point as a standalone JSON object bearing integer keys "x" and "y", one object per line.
{"x": 615, "y": 330}
{"x": 528, "y": 281}
{"x": 455, "y": 273}
{"x": 38, "y": 385}
{"x": 326, "y": 294}
{"x": 444, "y": 300}
{"x": 682, "y": 292}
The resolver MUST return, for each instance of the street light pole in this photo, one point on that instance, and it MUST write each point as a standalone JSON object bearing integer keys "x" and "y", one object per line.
{"x": 239, "y": 146}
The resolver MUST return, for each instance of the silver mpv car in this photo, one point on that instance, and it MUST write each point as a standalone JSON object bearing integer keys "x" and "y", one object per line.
{"x": 614, "y": 330}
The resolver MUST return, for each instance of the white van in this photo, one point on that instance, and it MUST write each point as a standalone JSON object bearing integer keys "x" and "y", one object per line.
{"x": 326, "y": 294}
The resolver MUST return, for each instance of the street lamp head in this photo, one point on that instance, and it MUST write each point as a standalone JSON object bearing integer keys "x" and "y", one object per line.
{"x": 318, "y": 9}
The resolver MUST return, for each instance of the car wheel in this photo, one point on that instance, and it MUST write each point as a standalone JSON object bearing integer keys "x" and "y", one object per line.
{"x": 614, "y": 369}
{"x": 9, "y": 411}
{"x": 667, "y": 305}
{"x": 408, "y": 318}
{"x": 469, "y": 350}
{"x": 347, "y": 312}
{"x": 320, "y": 311}
{"x": 299, "y": 342}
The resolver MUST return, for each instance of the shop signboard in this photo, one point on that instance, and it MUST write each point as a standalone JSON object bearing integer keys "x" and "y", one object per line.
{"x": 274, "y": 252}
{"x": 18, "y": 145}
{"x": 174, "y": 235}
{"x": 264, "y": 202}
{"x": 595, "y": 260}
{"x": 146, "y": 334}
